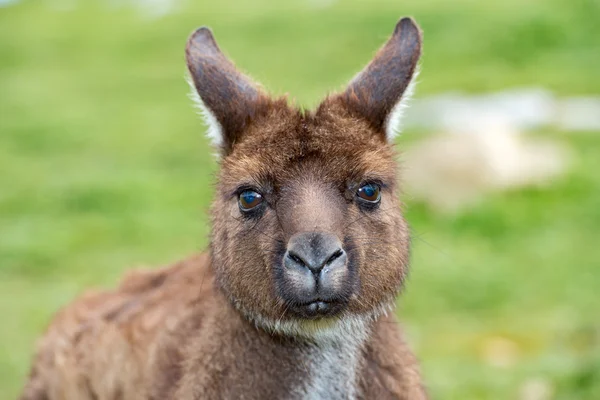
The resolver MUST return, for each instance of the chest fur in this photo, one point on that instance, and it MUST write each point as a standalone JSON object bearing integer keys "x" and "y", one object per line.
{"x": 331, "y": 373}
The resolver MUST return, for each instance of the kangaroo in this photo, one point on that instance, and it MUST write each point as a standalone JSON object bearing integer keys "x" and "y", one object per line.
{"x": 308, "y": 252}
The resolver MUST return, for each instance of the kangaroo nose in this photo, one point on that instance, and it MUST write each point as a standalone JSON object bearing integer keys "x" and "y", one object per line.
{"x": 315, "y": 251}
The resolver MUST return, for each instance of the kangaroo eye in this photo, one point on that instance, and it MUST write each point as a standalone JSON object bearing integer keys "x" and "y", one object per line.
{"x": 249, "y": 199}
{"x": 370, "y": 193}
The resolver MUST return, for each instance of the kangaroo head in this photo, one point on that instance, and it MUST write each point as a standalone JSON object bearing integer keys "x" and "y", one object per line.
{"x": 307, "y": 230}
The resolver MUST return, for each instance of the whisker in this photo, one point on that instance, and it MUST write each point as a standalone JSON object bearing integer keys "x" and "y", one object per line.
{"x": 419, "y": 237}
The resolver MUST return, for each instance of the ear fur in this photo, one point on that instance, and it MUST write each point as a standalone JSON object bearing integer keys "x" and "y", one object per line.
{"x": 379, "y": 93}
{"x": 227, "y": 99}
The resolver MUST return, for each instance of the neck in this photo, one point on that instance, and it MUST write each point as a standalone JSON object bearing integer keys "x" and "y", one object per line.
{"x": 330, "y": 354}
{"x": 320, "y": 363}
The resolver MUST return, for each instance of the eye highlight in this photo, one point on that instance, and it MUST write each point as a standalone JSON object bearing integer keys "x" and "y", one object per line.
{"x": 370, "y": 193}
{"x": 249, "y": 199}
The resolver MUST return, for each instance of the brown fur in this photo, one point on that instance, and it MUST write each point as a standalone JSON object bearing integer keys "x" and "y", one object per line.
{"x": 222, "y": 325}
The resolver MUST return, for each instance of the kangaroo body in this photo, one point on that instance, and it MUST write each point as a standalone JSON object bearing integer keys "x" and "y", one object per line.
{"x": 308, "y": 251}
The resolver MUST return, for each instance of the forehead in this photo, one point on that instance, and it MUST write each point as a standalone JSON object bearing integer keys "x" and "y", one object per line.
{"x": 329, "y": 147}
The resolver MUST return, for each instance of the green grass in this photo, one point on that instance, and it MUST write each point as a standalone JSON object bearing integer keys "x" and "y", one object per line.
{"x": 103, "y": 167}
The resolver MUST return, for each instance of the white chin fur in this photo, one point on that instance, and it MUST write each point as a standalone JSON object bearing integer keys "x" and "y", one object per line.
{"x": 324, "y": 330}
{"x": 214, "y": 131}
{"x": 393, "y": 122}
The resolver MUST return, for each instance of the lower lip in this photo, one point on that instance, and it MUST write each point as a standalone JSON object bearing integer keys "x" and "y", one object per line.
{"x": 317, "y": 309}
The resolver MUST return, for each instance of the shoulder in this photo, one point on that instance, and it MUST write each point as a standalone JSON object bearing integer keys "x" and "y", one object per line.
{"x": 105, "y": 338}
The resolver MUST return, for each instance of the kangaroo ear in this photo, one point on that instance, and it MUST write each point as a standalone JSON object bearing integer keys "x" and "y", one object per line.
{"x": 380, "y": 91}
{"x": 227, "y": 99}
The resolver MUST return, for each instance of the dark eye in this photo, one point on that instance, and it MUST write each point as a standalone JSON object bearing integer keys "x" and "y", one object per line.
{"x": 370, "y": 193}
{"x": 249, "y": 199}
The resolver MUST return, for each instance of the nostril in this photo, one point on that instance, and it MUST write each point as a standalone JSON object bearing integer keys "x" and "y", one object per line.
{"x": 337, "y": 254}
{"x": 295, "y": 258}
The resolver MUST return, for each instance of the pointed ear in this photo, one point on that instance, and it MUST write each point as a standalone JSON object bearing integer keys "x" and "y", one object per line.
{"x": 227, "y": 99}
{"x": 380, "y": 91}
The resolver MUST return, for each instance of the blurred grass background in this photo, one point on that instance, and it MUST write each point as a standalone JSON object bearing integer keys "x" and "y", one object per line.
{"x": 103, "y": 167}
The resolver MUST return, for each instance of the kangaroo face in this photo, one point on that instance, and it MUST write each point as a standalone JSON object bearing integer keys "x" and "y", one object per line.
{"x": 307, "y": 229}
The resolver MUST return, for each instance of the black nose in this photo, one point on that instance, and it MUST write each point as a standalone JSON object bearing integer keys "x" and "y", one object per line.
{"x": 315, "y": 251}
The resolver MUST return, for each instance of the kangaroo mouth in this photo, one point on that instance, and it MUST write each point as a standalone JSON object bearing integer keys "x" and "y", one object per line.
{"x": 317, "y": 308}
